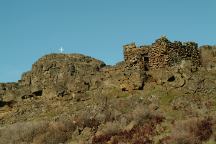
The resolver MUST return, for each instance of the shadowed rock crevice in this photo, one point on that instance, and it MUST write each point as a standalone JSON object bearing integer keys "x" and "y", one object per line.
{"x": 171, "y": 79}
{"x": 38, "y": 93}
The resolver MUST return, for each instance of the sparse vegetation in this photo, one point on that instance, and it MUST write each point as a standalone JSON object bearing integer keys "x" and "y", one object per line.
{"x": 106, "y": 105}
{"x": 192, "y": 131}
{"x": 37, "y": 132}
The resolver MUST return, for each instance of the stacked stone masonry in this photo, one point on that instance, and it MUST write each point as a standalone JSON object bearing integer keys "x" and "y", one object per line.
{"x": 136, "y": 57}
{"x": 161, "y": 54}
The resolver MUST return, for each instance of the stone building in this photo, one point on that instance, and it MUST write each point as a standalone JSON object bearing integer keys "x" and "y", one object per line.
{"x": 136, "y": 57}
{"x": 162, "y": 53}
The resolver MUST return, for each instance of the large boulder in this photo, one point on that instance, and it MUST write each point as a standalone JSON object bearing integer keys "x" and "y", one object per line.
{"x": 125, "y": 78}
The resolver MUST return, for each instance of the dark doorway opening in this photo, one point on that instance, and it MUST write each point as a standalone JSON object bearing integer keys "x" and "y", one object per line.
{"x": 146, "y": 63}
{"x": 171, "y": 79}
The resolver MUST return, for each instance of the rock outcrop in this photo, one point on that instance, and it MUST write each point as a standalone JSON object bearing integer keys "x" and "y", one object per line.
{"x": 60, "y": 75}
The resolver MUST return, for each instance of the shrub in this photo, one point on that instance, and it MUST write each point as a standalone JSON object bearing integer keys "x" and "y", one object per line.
{"x": 141, "y": 132}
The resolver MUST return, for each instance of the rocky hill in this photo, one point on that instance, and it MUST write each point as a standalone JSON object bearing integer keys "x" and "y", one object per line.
{"x": 162, "y": 93}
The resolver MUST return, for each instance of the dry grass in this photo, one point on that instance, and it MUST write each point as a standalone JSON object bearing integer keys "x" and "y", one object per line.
{"x": 143, "y": 129}
{"x": 192, "y": 131}
{"x": 37, "y": 132}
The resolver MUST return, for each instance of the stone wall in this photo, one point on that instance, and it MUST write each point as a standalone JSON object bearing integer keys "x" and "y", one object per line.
{"x": 208, "y": 57}
{"x": 136, "y": 56}
{"x": 159, "y": 53}
{"x": 162, "y": 53}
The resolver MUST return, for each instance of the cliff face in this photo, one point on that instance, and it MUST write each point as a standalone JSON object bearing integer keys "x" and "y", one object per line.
{"x": 176, "y": 80}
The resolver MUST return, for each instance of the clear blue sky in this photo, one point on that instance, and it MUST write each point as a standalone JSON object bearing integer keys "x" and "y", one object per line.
{"x": 30, "y": 29}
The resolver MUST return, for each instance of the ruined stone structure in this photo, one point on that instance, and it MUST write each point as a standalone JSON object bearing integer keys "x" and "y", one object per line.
{"x": 136, "y": 57}
{"x": 161, "y": 54}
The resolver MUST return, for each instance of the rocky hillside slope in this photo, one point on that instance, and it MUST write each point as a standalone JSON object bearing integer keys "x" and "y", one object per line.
{"x": 72, "y": 98}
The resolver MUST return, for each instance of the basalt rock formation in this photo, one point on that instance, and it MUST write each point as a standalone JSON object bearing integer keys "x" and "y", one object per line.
{"x": 71, "y": 74}
{"x": 61, "y": 74}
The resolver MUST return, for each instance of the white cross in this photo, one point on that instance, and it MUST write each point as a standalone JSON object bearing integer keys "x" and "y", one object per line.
{"x": 61, "y": 50}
